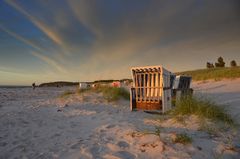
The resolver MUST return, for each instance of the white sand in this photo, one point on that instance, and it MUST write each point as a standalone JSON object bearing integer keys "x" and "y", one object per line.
{"x": 37, "y": 124}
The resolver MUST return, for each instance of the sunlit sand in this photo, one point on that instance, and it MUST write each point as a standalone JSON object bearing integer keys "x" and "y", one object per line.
{"x": 39, "y": 124}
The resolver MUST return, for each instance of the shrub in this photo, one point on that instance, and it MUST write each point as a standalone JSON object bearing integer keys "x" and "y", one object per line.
{"x": 233, "y": 63}
{"x": 210, "y": 65}
{"x": 182, "y": 138}
{"x": 220, "y": 62}
{"x": 202, "y": 107}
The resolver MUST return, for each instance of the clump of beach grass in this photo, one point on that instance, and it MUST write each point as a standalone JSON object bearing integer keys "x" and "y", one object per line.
{"x": 213, "y": 73}
{"x": 202, "y": 107}
{"x": 67, "y": 93}
{"x": 113, "y": 93}
{"x": 82, "y": 90}
{"x": 209, "y": 128}
{"x": 109, "y": 93}
{"x": 157, "y": 131}
{"x": 182, "y": 138}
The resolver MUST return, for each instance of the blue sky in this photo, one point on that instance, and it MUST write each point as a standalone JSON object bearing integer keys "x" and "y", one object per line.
{"x": 83, "y": 40}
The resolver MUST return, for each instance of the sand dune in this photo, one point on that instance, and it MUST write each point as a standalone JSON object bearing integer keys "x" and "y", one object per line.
{"x": 226, "y": 92}
{"x": 38, "y": 124}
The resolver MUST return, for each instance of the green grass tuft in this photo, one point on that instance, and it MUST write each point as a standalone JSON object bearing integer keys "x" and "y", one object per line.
{"x": 82, "y": 90}
{"x": 182, "y": 138}
{"x": 109, "y": 93}
{"x": 213, "y": 73}
{"x": 156, "y": 132}
{"x": 210, "y": 129}
{"x": 113, "y": 93}
{"x": 202, "y": 107}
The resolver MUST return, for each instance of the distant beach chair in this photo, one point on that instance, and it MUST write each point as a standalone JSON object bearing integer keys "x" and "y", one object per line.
{"x": 116, "y": 84}
{"x": 152, "y": 89}
{"x": 83, "y": 85}
{"x": 181, "y": 86}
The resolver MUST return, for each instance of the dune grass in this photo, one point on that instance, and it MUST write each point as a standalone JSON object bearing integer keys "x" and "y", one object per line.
{"x": 113, "y": 93}
{"x": 82, "y": 90}
{"x": 182, "y": 138}
{"x": 66, "y": 93}
{"x": 213, "y": 73}
{"x": 201, "y": 107}
{"x": 109, "y": 93}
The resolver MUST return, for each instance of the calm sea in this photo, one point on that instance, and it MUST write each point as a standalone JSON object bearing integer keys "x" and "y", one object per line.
{"x": 6, "y": 86}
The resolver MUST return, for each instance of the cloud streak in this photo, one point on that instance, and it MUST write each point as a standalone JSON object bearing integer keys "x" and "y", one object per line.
{"x": 46, "y": 59}
{"x": 47, "y": 30}
{"x": 49, "y": 61}
{"x": 20, "y": 38}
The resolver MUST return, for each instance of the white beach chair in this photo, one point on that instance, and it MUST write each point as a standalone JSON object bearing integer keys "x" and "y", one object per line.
{"x": 151, "y": 89}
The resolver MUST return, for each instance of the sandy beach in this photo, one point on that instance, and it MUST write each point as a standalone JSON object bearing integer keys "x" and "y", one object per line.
{"x": 119, "y": 79}
{"x": 39, "y": 124}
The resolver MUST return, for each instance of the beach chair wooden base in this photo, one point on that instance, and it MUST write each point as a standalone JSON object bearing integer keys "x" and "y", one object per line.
{"x": 148, "y": 105}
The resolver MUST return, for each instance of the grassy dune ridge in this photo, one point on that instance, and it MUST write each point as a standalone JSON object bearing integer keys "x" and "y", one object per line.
{"x": 213, "y": 73}
{"x": 109, "y": 93}
{"x": 202, "y": 107}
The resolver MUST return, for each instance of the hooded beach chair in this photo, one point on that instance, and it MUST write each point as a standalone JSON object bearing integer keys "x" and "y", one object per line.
{"x": 181, "y": 86}
{"x": 151, "y": 89}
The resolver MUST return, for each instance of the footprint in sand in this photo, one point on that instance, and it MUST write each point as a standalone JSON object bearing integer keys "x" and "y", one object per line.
{"x": 56, "y": 135}
{"x": 110, "y": 126}
{"x": 123, "y": 144}
{"x": 61, "y": 127}
{"x": 3, "y": 144}
{"x": 124, "y": 155}
{"x": 76, "y": 145}
{"x": 15, "y": 142}
{"x": 102, "y": 131}
{"x": 73, "y": 125}
{"x": 95, "y": 151}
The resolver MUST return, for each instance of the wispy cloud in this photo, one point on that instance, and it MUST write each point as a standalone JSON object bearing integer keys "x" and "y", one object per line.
{"x": 46, "y": 59}
{"x": 49, "y": 61}
{"x": 20, "y": 38}
{"x": 10, "y": 70}
{"x": 46, "y": 29}
{"x": 85, "y": 13}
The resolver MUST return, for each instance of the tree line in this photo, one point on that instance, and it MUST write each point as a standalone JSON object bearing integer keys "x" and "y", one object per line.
{"x": 220, "y": 63}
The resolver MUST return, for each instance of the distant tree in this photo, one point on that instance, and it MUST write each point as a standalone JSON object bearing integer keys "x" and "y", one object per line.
{"x": 210, "y": 65}
{"x": 233, "y": 63}
{"x": 220, "y": 62}
{"x": 217, "y": 64}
